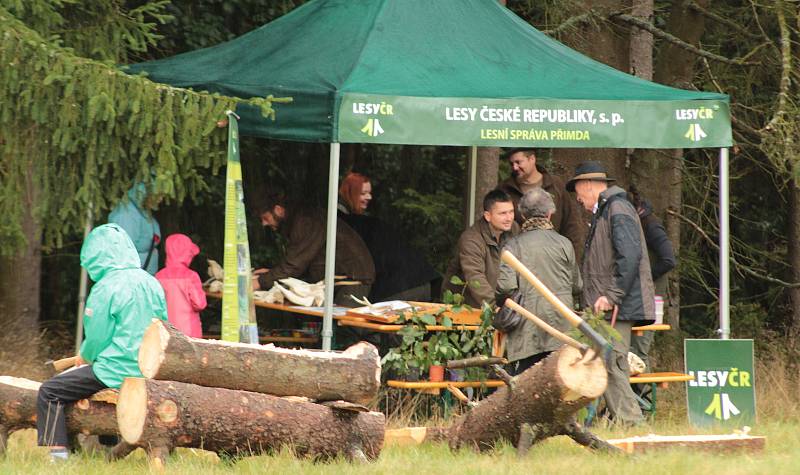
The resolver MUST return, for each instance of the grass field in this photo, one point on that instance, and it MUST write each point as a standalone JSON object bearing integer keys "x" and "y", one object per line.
{"x": 558, "y": 456}
{"x": 779, "y": 421}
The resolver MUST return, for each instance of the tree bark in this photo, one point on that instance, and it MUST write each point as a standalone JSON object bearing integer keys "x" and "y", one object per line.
{"x": 18, "y": 410}
{"x": 161, "y": 415}
{"x": 486, "y": 179}
{"x": 352, "y": 375}
{"x": 540, "y": 403}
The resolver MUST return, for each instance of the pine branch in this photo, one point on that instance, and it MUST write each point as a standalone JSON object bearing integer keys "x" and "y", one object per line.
{"x": 659, "y": 33}
{"x": 739, "y": 266}
{"x": 570, "y": 23}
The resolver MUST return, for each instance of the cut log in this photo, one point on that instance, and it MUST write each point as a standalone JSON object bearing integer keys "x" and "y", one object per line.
{"x": 18, "y": 410}
{"x": 709, "y": 443}
{"x": 167, "y": 414}
{"x": 541, "y": 403}
{"x": 352, "y": 375}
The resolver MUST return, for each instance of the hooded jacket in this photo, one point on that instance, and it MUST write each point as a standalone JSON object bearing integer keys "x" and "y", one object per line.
{"x": 140, "y": 225}
{"x": 182, "y": 286}
{"x": 121, "y": 305}
{"x": 659, "y": 247}
{"x": 615, "y": 262}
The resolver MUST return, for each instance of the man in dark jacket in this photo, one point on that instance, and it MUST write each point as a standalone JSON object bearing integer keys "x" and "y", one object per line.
{"x": 525, "y": 176}
{"x": 662, "y": 260}
{"x": 616, "y": 274}
{"x": 477, "y": 257}
{"x": 304, "y": 230}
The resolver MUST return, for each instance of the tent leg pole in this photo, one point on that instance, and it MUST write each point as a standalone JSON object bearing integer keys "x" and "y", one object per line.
{"x": 724, "y": 247}
{"x": 84, "y": 284}
{"x": 473, "y": 183}
{"x": 330, "y": 245}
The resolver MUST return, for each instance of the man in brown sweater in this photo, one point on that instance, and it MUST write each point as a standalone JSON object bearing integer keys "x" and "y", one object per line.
{"x": 525, "y": 176}
{"x": 477, "y": 257}
{"x": 304, "y": 230}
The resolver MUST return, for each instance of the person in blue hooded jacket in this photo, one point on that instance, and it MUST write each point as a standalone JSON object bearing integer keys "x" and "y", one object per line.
{"x": 121, "y": 305}
{"x": 135, "y": 217}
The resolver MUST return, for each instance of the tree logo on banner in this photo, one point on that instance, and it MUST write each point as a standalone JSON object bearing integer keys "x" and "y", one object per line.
{"x": 695, "y": 133}
{"x": 722, "y": 408}
{"x": 373, "y": 128}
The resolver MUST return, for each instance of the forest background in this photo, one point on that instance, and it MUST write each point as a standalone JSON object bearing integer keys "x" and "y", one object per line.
{"x": 74, "y": 135}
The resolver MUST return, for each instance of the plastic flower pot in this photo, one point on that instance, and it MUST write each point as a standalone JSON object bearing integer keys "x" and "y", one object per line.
{"x": 436, "y": 373}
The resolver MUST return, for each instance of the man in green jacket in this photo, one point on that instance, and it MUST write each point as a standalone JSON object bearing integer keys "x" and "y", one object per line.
{"x": 551, "y": 256}
{"x": 121, "y": 305}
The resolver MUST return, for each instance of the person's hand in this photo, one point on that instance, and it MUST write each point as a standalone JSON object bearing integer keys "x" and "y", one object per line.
{"x": 602, "y": 305}
{"x": 260, "y": 271}
{"x": 79, "y": 361}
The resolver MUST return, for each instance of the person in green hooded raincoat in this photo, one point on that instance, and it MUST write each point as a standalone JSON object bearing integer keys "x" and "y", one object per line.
{"x": 135, "y": 216}
{"x": 121, "y": 305}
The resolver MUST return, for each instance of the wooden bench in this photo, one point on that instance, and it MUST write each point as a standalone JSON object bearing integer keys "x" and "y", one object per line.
{"x": 656, "y": 380}
{"x": 429, "y": 387}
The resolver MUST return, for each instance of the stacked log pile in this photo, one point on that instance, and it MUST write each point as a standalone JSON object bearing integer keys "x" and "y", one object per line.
{"x": 239, "y": 398}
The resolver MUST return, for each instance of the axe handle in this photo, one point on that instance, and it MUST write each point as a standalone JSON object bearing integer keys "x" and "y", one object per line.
{"x": 64, "y": 363}
{"x": 597, "y": 340}
{"x": 562, "y": 308}
{"x": 560, "y": 336}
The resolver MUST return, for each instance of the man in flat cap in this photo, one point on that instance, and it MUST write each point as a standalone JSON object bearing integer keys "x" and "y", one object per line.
{"x": 616, "y": 275}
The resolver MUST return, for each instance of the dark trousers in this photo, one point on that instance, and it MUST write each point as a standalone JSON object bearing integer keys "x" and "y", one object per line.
{"x": 519, "y": 366}
{"x": 54, "y": 394}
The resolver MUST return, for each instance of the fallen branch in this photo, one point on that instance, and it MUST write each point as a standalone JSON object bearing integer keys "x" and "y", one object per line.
{"x": 476, "y": 361}
{"x": 657, "y": 32}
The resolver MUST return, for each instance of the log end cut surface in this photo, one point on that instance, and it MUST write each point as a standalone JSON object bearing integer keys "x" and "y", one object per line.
{"x": 132, "y": 409}
{"x": 582, "y": 377}
{"x": 156, "y": 337}
{"x": 21, "y": 383}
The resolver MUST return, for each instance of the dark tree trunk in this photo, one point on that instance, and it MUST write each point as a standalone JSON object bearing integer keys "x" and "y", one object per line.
{"x": 541, "y": 403}
{"x": 607, "y": 43}
{"x": 793, "y": 235}
{"x": 352, "y": 375}
{"x": 486, "y": 175}
{"x": 675, "y": 66}
{"x": 20, "y": 283}
{"x": 161, "y": 415}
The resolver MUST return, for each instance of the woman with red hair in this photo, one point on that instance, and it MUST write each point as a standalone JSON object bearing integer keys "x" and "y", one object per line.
{"x": 355, "y": 194}
{"x": 401, "y": 273}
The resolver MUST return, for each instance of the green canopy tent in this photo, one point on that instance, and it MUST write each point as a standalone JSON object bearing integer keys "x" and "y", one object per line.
{"x": 445, "y": 72}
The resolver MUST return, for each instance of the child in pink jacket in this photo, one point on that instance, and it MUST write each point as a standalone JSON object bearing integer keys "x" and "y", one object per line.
{"x": 182, "y": 286}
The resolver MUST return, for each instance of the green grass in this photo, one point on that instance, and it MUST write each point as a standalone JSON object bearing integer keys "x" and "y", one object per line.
{"x": 557, "y": 455}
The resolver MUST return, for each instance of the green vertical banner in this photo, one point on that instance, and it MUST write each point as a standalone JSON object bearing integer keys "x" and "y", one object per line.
{"x": 723, "y": 389}
{"x": 238, "y": 310}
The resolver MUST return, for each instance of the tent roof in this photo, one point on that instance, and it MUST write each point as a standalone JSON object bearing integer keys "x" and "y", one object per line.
{"x": 326, "y": 49}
